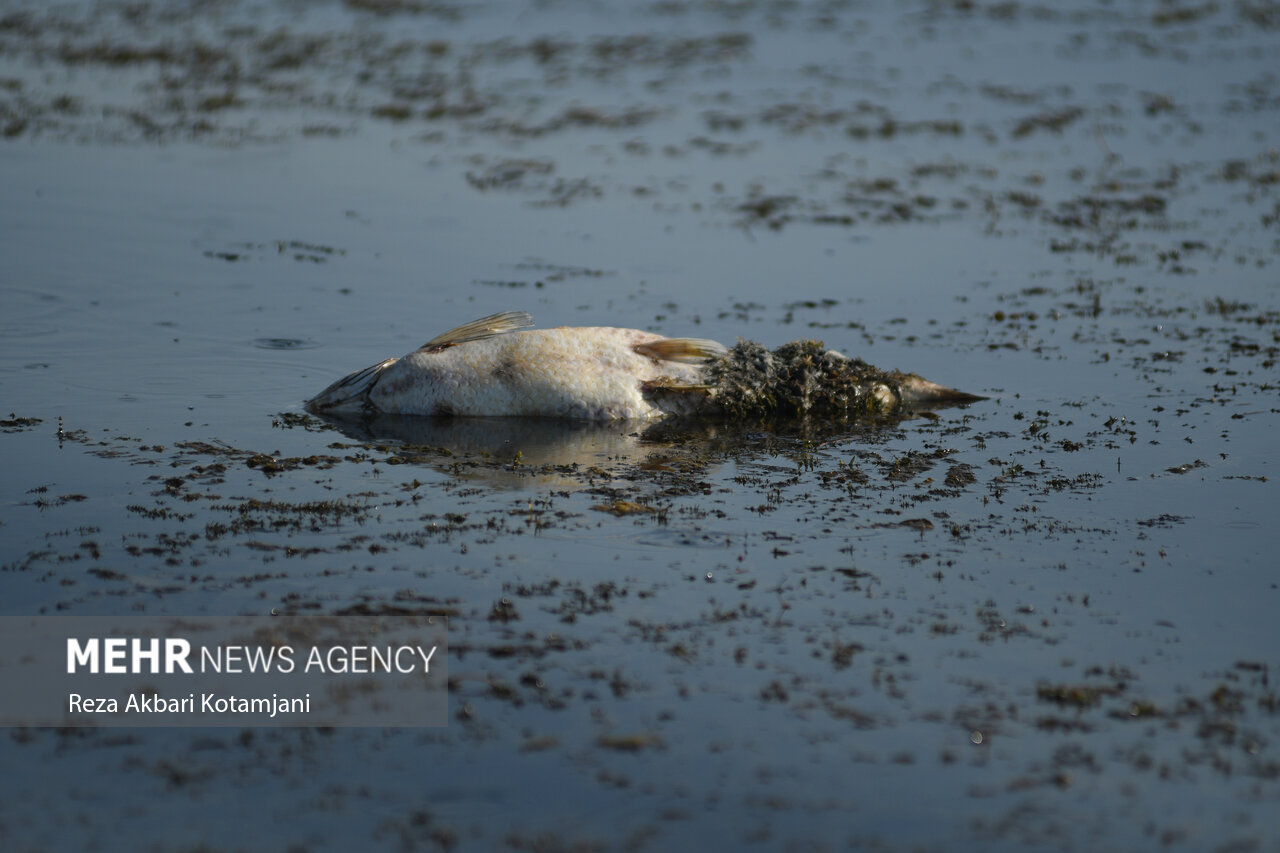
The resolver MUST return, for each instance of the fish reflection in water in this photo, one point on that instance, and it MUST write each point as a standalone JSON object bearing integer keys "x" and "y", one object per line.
{"x": 550, "y": 452}
{"x": 496, "y": 367}
{"x": 506, "y": 452}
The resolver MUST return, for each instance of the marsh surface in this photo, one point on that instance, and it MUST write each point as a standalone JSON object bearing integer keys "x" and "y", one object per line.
{"x": 1046, "y": 618}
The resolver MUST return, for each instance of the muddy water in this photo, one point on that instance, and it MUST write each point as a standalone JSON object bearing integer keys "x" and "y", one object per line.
{"x": 1043, "y": 619}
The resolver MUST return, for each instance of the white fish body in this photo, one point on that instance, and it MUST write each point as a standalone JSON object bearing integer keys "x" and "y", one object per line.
{"x": 497, "y": 367}
{"x": 489, "y": 368}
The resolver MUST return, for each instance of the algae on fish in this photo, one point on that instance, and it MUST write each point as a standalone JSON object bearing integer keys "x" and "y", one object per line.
{"x": 804, "y": 378}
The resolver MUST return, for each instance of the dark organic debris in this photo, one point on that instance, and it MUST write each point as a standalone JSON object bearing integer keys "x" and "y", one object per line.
{"x": 804, "y": 378}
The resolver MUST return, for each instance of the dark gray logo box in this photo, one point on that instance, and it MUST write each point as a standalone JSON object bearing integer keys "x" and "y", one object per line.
{"x": 388, "y": 670}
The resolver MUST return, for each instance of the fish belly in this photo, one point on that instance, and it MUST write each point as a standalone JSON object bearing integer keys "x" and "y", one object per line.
{"x": 585, "y": 373}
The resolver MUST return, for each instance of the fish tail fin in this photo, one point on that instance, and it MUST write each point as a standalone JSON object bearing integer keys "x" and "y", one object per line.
{"x": 477, "y": 330}
{"x": 349, "y": 392}
{"x": 916, "y": 389}
{"x": 684, "y": 350}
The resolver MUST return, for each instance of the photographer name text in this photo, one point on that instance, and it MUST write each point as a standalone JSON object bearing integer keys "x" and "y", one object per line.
{"x": 207, "y": 703}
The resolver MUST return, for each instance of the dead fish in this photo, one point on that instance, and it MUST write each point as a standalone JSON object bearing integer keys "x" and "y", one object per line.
{"x": 497, "y": 366}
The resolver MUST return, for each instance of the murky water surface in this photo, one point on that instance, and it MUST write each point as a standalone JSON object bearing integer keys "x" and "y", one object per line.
{"x": 1044, "y": 619}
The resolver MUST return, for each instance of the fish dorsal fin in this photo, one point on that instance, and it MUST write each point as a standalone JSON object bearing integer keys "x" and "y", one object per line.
{"x": 685, "y": 350}
{"x": 477, "y": 330}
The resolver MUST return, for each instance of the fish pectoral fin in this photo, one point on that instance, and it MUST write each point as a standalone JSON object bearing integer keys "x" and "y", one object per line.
{"x": 350, "y": 389}
{"x": 477, "y": 330}
{"x": 673, "y": 397}
{"x": 685, "y": 350}
{"x": 650, "y": 386}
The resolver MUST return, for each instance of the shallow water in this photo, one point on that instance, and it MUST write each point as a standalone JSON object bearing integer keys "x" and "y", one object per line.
{"x": 1046, "y": 619}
